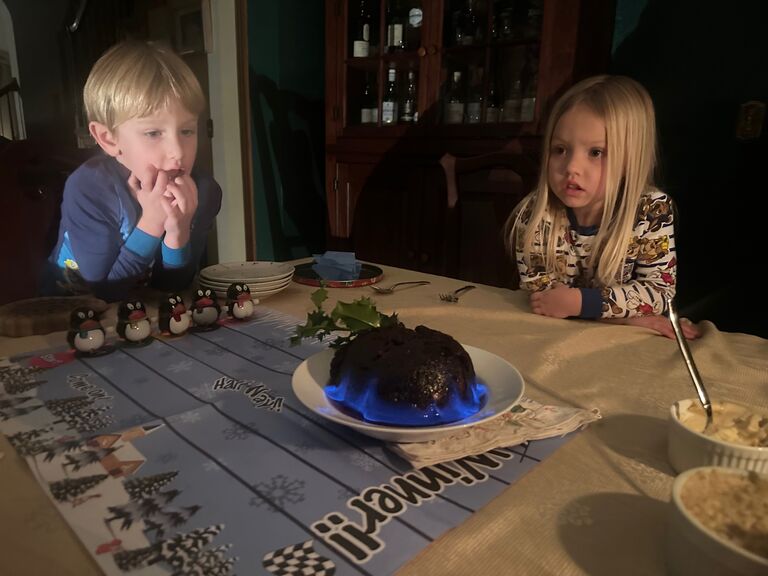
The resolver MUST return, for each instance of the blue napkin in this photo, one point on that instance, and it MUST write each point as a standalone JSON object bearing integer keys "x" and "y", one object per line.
{"x": 336, "y": 266}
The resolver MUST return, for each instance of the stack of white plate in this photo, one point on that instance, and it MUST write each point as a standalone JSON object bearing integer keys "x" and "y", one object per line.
{"x": 263, "y": 278}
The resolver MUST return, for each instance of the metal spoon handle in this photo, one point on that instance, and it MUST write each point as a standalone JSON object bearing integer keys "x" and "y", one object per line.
{"x": 682, "y": 343}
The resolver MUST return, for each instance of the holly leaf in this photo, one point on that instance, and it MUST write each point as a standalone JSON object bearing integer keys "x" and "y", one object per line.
{"x": 318, "y": 297}
{"x": 352, "y": 317}
{"x": 359, "y": 315}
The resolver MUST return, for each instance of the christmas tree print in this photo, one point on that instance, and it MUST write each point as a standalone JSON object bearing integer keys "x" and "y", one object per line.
{"x": 69, "y": 489}
{"x": 167, "y": 520}
{"x": 184, "y": 554}
{"x": 63, "y": 445}
{"x": 30, "y": 442}
{"x": 142, "y": 508}
{"x": 79, "y": 413}
{"x": 16, "y": 411}
{"x": 146, "y": 486}
{"x": 15, "y": 401}
{"x": 20, "y": 380}
{"x": 78, "y": 461}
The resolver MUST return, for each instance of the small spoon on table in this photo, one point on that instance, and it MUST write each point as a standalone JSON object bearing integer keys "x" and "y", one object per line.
{"x": 689, "y": 363}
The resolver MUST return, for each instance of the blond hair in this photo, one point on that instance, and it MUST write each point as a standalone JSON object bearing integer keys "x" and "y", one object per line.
{"x": 136, "y": 79}
{"x": 630, "y": 125}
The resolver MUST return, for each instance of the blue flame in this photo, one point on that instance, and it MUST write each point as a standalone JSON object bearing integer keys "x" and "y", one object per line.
{"x": 363, "y": 402}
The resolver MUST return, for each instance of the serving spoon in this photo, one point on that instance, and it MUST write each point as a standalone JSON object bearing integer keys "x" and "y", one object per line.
{"x": 682, "y": 343}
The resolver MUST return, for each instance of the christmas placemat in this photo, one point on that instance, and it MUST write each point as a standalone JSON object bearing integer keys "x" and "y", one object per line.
{"x": 191, "y": 455}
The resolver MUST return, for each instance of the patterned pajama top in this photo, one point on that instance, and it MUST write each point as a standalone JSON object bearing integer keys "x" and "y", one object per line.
{"x": 649, "y": 267}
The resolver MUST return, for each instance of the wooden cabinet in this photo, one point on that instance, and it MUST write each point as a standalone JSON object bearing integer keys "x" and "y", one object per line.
{"x": 410, "y": 80}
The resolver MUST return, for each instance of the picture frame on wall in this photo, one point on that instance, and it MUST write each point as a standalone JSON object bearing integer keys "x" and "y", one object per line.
{"x": 193, "y": 29}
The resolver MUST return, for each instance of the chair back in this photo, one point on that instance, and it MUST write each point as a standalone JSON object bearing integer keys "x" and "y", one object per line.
{"x": 482, "y": 191}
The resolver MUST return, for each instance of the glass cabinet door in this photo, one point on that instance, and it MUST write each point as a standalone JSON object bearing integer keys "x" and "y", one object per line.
{"x": 489, "y": 69}
{"x": 463, "y": 61}
{"x": 383, "y": 57}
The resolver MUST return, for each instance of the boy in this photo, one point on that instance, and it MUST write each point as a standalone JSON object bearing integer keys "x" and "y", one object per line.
{"x": 137, "y": 211}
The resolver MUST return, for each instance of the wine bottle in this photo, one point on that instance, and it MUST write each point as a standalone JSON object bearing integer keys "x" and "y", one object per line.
{"x": 362, "y": 33}
{"x": 413, "y": 29}
{"x": 475, "y": 99}
{"x": 454, "y": 105}
{"x": 396, "y": 40}
{"x": 369, "y": 109}
{"x": 492, "y": 107}
{"x": 389, "y": 102}
{"x": 513, "y": 103}
{"x": 408, "y": 114}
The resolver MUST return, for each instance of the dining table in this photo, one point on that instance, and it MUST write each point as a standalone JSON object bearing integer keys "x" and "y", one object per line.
{"x": 598, "y": 505}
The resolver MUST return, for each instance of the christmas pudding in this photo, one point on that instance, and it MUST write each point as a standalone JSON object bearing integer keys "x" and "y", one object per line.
{"x": 395, "y": 375}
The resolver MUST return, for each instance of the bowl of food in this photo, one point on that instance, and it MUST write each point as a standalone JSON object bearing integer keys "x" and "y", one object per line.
{"x": 737, "y": 438}
{"x": 718, "y": 523}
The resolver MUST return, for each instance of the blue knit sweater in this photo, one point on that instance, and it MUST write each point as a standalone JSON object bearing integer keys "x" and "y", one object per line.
{"x": 99, "y": 248}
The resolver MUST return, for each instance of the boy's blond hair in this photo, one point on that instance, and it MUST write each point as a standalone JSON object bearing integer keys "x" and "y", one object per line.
{"x": 136, "y": 79}
{"x": 630, "y": 124}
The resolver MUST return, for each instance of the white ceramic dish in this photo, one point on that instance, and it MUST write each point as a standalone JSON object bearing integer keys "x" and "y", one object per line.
{"x": 255, "y": 293}
{"x": 260, "y": 285}
{"x": 247, "y": 271}
{"x": 694, "y": 550}
{"x": 504, "y": 382}
{"x": 687, "y": 448}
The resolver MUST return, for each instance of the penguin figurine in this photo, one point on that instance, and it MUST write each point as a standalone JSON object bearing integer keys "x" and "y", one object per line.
{"x": 239, "y": 302}
{"x": 86, "y": 334}
{"x": 133, "y": 324}
{"x": 205, "y": 310}
{"x": 172, "y": 315}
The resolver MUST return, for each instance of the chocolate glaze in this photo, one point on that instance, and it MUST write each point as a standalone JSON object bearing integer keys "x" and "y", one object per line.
{"x": 415, "y": 367}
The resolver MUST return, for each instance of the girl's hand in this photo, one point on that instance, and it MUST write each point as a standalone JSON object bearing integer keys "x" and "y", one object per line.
{"x": 560, "y": 301}
{"x": 182, "y": 193}
{"x": 660, "y": 324}
{"x": 149, "y": 190}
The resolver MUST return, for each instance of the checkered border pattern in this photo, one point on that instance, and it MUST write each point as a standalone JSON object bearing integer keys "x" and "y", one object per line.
{"x": 298, "y": 560}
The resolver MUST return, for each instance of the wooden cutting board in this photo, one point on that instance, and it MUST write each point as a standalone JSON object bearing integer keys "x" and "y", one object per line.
{"x": 43, "y": 315}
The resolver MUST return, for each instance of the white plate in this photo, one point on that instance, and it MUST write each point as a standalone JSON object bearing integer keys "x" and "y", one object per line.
{"x": 258, "y": 294}
{"x": 260, "y": 285}
{"x": 504, "y": 382}
{"x": 247, "y": 271}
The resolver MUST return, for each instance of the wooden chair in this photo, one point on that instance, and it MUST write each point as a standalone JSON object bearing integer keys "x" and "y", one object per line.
{"x": 32, "y": 177}
{"x": 482, "y": 191}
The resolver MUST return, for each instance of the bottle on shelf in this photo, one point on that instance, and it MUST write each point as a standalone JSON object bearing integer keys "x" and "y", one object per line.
{"x": 369, "y": 107}
{"x": 466, "y": 25}
{"x": 530, "y": 79}
{"x": 513, "y": 102}
{"x": 474, "y": 107}
{"x": 396, "y": 24}
{"x": 361, "y": 41}
{"x": 389, "y": 102}
{"x": 453, "y": 112}
{"x": 492, "y": 111}
{"x": 413, "y": 28}
{"x": 408, "y": 110}
{"x": 532, "y": 27}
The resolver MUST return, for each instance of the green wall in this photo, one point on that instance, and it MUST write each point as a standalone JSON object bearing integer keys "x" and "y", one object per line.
{"x": 286, "y": 75}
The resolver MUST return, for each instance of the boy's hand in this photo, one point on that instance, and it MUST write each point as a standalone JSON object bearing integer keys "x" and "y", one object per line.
{"x": 560, "y": 301}
{"x": 182, "y": 194}
{"x": 149, "y": 189}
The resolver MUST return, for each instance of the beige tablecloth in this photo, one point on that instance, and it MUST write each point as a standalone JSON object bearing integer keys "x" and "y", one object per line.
{"x": 597, "y": 506}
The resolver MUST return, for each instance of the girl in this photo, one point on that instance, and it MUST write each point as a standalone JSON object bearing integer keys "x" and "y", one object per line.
{"x": 595, "y": 239}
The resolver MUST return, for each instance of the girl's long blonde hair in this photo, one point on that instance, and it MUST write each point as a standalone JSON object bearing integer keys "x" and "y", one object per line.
{"x": 627, "y": 110}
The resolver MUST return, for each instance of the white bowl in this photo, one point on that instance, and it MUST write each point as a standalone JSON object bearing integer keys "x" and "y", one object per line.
{"x": 505, "y": 388}
{"x": 696, "y": 550}
{"x": 689, "y": 449}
